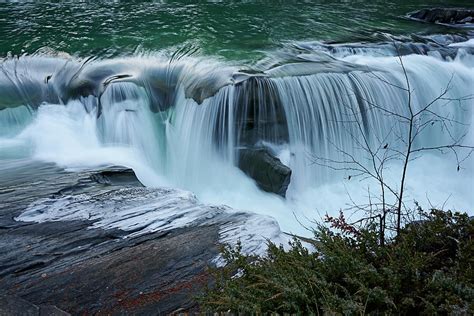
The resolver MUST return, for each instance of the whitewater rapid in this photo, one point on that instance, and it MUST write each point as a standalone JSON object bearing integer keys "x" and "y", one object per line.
{"x": 191, "y": 144}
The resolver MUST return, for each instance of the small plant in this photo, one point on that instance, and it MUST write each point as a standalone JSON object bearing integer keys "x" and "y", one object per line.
{"x": 427, "y": 269}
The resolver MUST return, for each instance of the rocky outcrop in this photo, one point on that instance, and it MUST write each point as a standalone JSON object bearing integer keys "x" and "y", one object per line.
{"x": 270, "y": 174}
{"x": 81, "y": 269}
{"x": 452, "y": 16}
{"x": 98, "y": 242}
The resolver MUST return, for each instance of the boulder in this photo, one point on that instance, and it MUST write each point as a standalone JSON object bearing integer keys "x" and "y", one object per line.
{"x": 454, "y": 16}
{"x": 270, "y": 174}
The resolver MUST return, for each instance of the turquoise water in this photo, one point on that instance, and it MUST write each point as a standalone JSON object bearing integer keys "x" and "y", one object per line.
{"x": 236, "y": 30}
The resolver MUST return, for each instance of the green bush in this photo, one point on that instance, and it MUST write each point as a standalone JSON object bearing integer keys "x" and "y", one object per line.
{"x": 426, "y": 269}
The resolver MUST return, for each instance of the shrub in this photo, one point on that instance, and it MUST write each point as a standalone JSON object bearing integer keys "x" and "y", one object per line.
{"x": 426, "y": 269}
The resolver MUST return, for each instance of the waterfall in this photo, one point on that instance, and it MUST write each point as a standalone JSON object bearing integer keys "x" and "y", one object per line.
{"x": 319, "y": 108}
{"x": 182, "y": 123}
{"x": 13, "y": 120}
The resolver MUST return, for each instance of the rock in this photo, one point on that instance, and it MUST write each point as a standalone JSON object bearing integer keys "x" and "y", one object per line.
{"x": 51, "y": 310}
{"x": 82, "y": 268}
{"x": 116, "y": 176}
{"x": 469, "y": 19}
{"x": 13, "y": 306}
{"x": 452, "y": 16}
{"x": 270, "y": 174}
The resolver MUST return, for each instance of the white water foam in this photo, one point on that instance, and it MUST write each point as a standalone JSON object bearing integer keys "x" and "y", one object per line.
{"x": 176, "y": 149}
{"x": 468, "y": 43}
{"x": 144, "y": 210}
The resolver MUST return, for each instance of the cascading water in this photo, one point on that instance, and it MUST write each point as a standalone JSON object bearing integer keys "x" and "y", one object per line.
{"x": 320, "y": 108}
{"x": 182, "y": 123}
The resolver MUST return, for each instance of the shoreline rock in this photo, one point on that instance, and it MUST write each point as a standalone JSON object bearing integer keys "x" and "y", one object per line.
{"x": 81, "y": 269}
{"x": 445, "y": 16}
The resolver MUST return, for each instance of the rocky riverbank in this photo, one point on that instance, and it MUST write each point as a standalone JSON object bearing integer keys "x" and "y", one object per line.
{"x": 84, "y": 269}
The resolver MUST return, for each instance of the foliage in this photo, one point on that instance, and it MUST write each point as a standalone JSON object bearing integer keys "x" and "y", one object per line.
{"x": 426, "y": 269}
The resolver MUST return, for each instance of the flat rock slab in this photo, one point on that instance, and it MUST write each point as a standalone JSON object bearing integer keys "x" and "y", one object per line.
{"x": 73, "y": 267}
{"x": 151, "y": 274}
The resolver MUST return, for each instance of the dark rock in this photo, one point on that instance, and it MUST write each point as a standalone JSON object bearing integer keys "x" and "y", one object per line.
{"x": 116, "y": 176}
{"x": 86, "y": 270}
{"x": 83, "y": 268}
{"x": 452, "y": 16}
{"x": 134, "y": 275}
{"x": 12, "y": 305}
{"x": 270, "y": 174}
{"x": 50, "y": 310}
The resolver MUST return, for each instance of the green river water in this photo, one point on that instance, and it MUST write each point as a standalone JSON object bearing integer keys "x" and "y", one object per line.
{"x": 235, "y": 30}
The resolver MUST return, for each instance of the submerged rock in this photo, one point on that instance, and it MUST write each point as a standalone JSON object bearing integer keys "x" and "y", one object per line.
{"x": 453, "y": 16}
{"x": 270, "y": 174}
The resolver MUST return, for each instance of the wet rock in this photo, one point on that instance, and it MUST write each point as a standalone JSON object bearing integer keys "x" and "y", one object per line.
{"x": 452, "y": 16}
{"x": 82, "y": 269}
{"x": 159, "y": 271}
{"x": 270, "y": 174}
{"x": 154, "y": 264}
{"x": 116, "y": 176}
